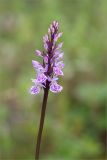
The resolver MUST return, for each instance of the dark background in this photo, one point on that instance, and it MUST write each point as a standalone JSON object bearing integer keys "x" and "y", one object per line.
{"x": 75, "y": 119}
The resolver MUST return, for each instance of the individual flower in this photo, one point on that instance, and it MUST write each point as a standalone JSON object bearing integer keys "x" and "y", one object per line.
{"x": 41, "y": 78}
{"x": 54, "y": 87}
{"x": 51, "y": 68}
{"x": 57, "y": 71}
{"x": 35, "y": 90}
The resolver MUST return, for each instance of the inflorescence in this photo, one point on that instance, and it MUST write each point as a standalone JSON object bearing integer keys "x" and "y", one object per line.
{"x": 48, "y": 72}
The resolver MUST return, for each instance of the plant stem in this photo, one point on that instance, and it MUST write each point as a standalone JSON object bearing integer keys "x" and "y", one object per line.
{"x": 46, "y": 90}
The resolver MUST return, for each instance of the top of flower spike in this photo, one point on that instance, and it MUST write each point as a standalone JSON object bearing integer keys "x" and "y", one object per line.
{"x": 48, "y": 72}
{"x": 54, "y": 26}
{"x": 51, "y": 38}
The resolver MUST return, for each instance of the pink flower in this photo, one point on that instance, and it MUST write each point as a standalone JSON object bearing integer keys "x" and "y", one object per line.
{"x": 38, "y": 53}
{"x": 38, "y": 66}
{"x": 34, "y": 90}
{"x": 41, "y": 78}
{"x": 57, "y": 71}
{"x": 57, "y": 36}
{"x": 48, "y": 72}
{"x": 54, "y": 87}
{"x": 59, "y": 64}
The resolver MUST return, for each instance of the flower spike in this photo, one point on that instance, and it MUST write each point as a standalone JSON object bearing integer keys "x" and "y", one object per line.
{"x": 47, "y": 72}
{"x": 52, "y": 66}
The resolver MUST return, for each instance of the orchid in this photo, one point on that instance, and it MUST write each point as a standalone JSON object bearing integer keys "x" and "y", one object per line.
{"x": 48, "y": 72}
{"x": 52, "y": 66}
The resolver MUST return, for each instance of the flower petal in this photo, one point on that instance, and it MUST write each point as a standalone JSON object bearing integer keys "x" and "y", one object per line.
{"x": 46, "y": 46}
{"x": 38, "y": 53}
{"x": 57, "y": 71}
{"x": 54, "y": 87}
{"x": 59, "y": 64}
{"x": 53, "y": 79}
{"x": 38, "y": 66}
{"x": 45, "y": 58}
{"x": 35, "y": 64}
{"x": 59, "y": 46}
{"x": 34, "y": 90}
{"x": 57, "y": 52}
{"x": 60, "y": 56}
{"x": 41, "y": 78}
{"x": 57, "y": 36}
{"x": 45, "y": 38}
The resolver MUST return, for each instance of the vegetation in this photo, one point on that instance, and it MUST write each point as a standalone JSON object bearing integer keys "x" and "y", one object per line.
{"x": 75, "y": 124}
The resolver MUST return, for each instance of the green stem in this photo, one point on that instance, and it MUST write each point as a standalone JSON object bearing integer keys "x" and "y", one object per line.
{"x": 46, "y": 90}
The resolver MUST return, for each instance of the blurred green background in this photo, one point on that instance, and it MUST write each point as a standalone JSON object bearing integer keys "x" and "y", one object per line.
{"x": 75, "y": 124}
